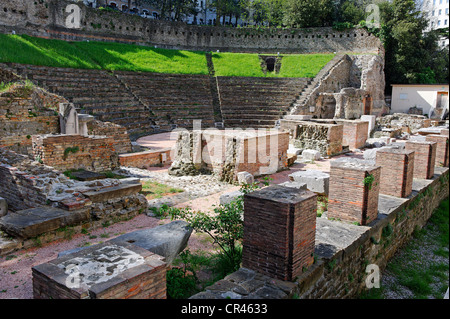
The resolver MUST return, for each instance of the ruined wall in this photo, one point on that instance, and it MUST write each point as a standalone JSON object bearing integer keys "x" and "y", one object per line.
{"x": 24, "y": 111}
{"x": 65, "y": 152}
{"x": 119, "y": 134}
{"x": 18, "y": 180}
{"x": 226, "y": 153}
{"x": 49, "y": 19}
{"x": 325, "y": 138}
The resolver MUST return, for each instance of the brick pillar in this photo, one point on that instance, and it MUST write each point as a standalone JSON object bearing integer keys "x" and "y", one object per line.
{"x": 397, "y": 167}
{"x": 424, "y": 158}
{"x": 279, "y": 231}
{"x": 354, "y": 190}
{"x": 442, "y": 150}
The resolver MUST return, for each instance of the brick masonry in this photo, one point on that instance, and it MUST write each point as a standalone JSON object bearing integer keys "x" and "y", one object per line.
{"x": 351, "y": 197}
{"x": 355, "y": 133}
{"x": 279, "y": 231}
{"x": 397, "y": 167}
{"x": 103, "y": 271}
{"x": 24, "y": 112}
{"x": 424, "y": 158}
{"x": 65, "y": 152}
{"x": 146, "y": 158}
{"x": 442, "y": 149}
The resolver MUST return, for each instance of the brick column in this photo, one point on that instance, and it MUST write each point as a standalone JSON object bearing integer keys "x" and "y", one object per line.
{"x": 354, "y": 190}
{"x": 279, "y": 231}
{"x": 424, "y": 158}
{"x": 397, "y": 167}
{"x": 442, "y": 150}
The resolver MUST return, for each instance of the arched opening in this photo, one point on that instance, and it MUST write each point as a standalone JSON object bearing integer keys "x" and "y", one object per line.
{"x": 270, "y": 64}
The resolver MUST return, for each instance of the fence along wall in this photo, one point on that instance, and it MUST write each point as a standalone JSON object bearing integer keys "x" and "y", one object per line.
{"x": 48, "y": 19}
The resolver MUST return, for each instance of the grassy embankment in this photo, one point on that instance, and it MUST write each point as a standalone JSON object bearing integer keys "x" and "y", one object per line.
{"x": 126, "y": 57}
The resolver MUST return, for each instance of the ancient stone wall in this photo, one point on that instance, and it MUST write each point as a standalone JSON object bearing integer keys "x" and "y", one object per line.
{"x": 24, "y": 111}
{"x": 49, "y": 19}
{"x": 226, "y": 153}
{"x": 323, "y": 137}
{"x": 66, "y": 152}
{"x": 344, "y": 251}
{"x": 119, "y": 134}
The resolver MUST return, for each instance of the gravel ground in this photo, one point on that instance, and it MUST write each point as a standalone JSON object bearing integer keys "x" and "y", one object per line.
{"x": 204, "y": 191}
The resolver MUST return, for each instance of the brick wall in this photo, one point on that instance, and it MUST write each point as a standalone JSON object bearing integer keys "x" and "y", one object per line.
{"x": 424, "y": 158}
{"x": 442, "y": 149}
{"x": 119, "y": 134}
{"x": 355, "y": 133}
{"x": 25, "y": 112}
{"x": 397, "y": 167}
{"x": 350, "y": 197}
{"x": 146, "y": 159}
{"x": 64, "y": 152}
{"x": 279, "y": 231}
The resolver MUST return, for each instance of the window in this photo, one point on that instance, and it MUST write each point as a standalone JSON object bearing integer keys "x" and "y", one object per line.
{"x": 445, "y": 22}
{"x": 440, "y": 11}
{"x": 446, "y": 11}
{"x": 434, "y": 2}
{"x": 403, "y": 96}
{"x": 440, "y": 1}
{"x": 432, "y": 13}
{"x": 439, "y": 22}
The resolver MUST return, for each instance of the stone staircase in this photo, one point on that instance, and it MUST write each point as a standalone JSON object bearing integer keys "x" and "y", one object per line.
{"x": 305, "y": 94}
{"x": 174, "y": 99}
{"x": 94, "y": 92}
{"x": 256, "y": 102}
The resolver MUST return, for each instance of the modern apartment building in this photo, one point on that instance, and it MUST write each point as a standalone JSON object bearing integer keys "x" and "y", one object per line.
{"x": 437, "y": 13}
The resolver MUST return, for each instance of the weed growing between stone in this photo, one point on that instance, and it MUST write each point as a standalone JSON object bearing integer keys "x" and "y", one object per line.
{"x": 421, "y": 269}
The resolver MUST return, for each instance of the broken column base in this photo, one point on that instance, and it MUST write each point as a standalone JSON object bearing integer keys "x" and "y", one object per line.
{"x": 103, "y": 271}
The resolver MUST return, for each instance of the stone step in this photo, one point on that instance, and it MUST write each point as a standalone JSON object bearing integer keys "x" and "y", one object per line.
{"x": 32, "y": 222}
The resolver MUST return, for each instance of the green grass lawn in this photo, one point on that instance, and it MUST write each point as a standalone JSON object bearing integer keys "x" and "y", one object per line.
{"x": 127, "y": 57}
{"x": 54, "y": 53}
{"x": 248, "y": 65}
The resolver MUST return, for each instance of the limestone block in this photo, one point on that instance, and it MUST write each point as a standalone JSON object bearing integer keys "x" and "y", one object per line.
{"x": 298, "y": 185}
{"x": 166, "y": 240}
{"x": 245, "y": 178}
{"x": 371, "y": 119}
{"x": 310, "y": 155}
{"x": 3, "y": 207}
{"x": 316, "y": 181}
{"x": 36, "y": 221}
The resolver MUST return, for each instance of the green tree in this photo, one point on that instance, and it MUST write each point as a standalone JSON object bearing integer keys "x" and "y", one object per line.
{"x": 308, "y": 13}
{"x": 350, "y": 11}
{"x": 407, "y": 48}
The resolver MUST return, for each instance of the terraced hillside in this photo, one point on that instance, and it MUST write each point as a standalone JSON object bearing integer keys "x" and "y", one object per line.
{"x": 147, "y": 90}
